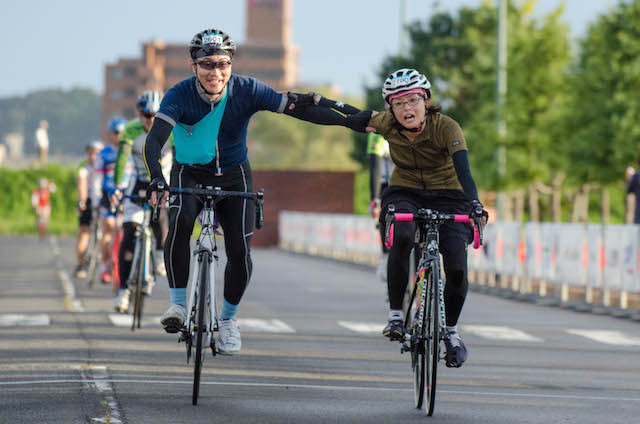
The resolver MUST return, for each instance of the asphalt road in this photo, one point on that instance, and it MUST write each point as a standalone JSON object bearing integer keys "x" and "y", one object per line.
{"x": 312, "y": 353}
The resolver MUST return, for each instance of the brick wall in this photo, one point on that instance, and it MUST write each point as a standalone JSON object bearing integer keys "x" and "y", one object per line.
{"x": 305, "y": 191}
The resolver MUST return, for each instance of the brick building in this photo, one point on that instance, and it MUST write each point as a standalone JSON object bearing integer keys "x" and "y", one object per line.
{"x": 268, "y": 54}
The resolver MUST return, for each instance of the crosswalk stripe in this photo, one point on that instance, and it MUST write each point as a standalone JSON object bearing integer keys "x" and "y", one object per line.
{"x": 500, "y": 333}
{"x": 610, "y": 337}
{"x": 362, "y": 327}
{"x": 120, "y": 320}
{"x": 14, "y": 320}
{"x": 264, "y": 325}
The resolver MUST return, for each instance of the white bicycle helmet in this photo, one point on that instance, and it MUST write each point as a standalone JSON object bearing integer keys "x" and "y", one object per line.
{"x": 149, "y": 102}
{"x": 405, "y": 80}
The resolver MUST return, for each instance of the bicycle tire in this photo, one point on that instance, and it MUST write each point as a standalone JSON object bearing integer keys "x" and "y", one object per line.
{"x": 94, "y": 252}
{"x": 417, "y": 348}
{"x": 137, "y": 295}
{"x": 432, "y": 351}
{"x": 203, "y": 281}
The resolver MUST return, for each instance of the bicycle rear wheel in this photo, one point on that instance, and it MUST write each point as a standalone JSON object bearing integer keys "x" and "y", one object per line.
{"x": 201, "y": 313}
{"x": 432, "y": 330}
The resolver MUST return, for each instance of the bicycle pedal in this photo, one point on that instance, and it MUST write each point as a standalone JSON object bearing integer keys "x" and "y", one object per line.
{"x": 405, "y": 348}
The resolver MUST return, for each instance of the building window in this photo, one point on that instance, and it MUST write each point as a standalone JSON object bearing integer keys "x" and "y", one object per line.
{"x": 129, "y": 92}
{"x": 115, "y": 95}
{"x": 116, "y": 74}
{"x": 129, "y": 113}
{"x": 130, "y": 71}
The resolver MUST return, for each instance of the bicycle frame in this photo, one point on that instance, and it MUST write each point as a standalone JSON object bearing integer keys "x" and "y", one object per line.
{"x": 206, "y": 243}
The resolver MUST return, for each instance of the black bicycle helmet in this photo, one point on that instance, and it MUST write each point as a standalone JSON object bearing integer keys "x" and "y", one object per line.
{"x": 211, "y": 41}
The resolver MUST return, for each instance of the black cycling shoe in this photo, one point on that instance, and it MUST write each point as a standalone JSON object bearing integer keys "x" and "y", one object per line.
{"x": 394, "y": 330}
{"x": 456, "y": 350}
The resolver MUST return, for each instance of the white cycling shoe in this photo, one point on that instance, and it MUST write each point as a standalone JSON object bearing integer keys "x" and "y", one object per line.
{"x": 228, "y": 342}
{"x": 173, "y": 320}
{"x": 121, "y": 301}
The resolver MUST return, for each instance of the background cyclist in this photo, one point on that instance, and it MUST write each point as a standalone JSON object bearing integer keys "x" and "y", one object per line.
{"x": 130, "y": 173}
{"x": 380, "y": 169}
{"x": 105, "y": 162}
{"x": 432, "y": 171}
{"x": 208, "y": 115}
{"x": 84, "y": 184}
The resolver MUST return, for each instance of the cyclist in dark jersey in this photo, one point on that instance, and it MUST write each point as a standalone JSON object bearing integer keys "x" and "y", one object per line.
{"x": 208, "y": 115}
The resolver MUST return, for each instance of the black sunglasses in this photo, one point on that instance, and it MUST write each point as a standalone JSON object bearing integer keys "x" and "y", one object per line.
{"x": 148, "y": 115}
{"x": 208, "y": 65}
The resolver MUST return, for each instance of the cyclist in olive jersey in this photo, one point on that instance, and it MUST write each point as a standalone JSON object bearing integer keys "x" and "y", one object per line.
{"x": 130, "y": 176}
{"x": 380, "y": 169}
{"x": 432, "y": 171}
{"x": 208, "y": 115}
{"x": 85, "y": 186}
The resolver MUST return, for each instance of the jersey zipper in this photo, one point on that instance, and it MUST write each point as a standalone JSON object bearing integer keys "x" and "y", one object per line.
{"x": 218, "y": 169}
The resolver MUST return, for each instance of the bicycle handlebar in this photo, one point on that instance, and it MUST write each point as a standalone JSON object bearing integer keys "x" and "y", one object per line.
{"x": 217, "y": 193}
{"x": 427, "y": 215}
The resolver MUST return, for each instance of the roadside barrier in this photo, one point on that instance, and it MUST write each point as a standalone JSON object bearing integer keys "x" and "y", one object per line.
{"x": 585, "y": 267}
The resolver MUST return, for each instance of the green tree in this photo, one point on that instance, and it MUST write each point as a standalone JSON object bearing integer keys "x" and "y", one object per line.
{"x": 458, "y": 54}
{"x": 73, "y": 116}
{"x": 604, "y": 127}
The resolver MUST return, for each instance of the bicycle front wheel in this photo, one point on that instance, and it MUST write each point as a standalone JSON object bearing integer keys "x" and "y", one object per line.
{"x": 138, "y": 299}
{"x": 432, "y": 330}
{"x": 416, "y": 329}
{"x": 201, "y": 313}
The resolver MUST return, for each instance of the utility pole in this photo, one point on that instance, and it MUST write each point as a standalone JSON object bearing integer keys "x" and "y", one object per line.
{"x": 501, "y": 94}
{"x": 404, "y": 36}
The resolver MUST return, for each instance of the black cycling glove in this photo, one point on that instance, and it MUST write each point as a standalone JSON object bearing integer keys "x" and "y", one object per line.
{"x": 477, "y": 210}
{"x": 158, "y": 185}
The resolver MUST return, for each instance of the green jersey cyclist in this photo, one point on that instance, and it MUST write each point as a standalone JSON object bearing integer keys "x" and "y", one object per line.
{"x": 208, "y": 115}
{"x": 130, "y": 175}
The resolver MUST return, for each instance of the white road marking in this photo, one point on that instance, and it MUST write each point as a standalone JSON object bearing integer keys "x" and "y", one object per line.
{"x": 95, "y": 378}
{"x": 120, "y": 320}
{"x": 320, "y": 387}
{"x": 16, "y": 320}
{"x": 500, "y": 333}
{"x": 362, "y": 327}
{"x": 264, "y": 325}
{"x": 610, "y": 337}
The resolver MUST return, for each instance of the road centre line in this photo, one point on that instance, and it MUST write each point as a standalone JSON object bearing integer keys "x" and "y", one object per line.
{"x": 320, "y": 387}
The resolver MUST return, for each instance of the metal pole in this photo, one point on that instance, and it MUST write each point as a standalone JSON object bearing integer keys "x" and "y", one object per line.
{"x": 501, "y": 88}
{"x": 404, "y": 36}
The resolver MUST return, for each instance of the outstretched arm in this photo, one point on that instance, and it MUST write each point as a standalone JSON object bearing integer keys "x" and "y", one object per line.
{"x": 319, "y": 110}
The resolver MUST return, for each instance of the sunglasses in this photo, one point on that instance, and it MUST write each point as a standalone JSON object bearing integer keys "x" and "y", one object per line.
{"x": 208, "y": 65}
{"x": 148, "y": 115}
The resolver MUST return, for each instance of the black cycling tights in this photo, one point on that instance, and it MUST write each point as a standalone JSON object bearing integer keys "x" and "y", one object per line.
{"x": 236, "y": 216}
{"x": 454, "y": 239}
{"x": 127, "y": 245}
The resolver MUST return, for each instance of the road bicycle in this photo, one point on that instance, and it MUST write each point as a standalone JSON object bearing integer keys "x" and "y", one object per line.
{"x": 202, "y": 311}
{"x": 425, "y": 313}
{"x": 141, "y": 277}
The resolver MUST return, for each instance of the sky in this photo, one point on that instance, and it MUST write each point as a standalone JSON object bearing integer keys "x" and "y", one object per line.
{"x": 66, "y": 43}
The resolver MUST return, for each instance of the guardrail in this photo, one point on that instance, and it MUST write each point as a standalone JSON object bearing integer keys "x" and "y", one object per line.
{"x": 588, "y": 267}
